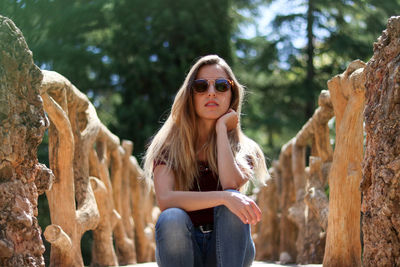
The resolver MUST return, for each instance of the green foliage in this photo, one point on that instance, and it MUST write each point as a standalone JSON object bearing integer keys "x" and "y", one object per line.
{"x": 161, "y": 41}
{"x": 283, "y": 81}
{"x": 65, "y": 36}
{"x": 264, "y": 119}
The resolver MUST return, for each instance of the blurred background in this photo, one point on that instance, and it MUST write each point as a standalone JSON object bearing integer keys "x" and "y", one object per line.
{"x": 131, "y": 56}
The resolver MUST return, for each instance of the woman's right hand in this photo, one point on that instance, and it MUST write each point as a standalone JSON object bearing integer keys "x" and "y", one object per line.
{"x": 243, "y": 207}
{"x": 229, "y": 120}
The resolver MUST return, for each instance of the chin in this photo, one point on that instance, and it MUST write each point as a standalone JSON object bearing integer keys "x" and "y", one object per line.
{"x": 213, "y": 116}
{"x": 208, "y": 117}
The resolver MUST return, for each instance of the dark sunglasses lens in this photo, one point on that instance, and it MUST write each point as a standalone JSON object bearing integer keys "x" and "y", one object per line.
{"x": 200, "y": 86}
{"x": 222, "y": 85}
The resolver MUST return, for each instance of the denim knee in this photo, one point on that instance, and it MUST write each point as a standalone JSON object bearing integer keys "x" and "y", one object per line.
{"x": 173, "y": 219}
{"x": 174, "y": 238}
{"x": 228, "y": 217}
{"x": 234, "y": 244}
{"x": 173, "y": 224}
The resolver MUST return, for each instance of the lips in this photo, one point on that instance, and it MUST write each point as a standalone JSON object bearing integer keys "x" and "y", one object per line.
{"x": 211, "y": 104}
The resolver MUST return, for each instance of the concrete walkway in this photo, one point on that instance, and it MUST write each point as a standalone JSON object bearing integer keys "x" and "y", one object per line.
{"x": 255, "y": 264}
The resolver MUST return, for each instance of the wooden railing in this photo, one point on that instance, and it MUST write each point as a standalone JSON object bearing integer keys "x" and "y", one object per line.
{"x": 307, "y": 233}
{"x": 93, "y": 169}
{"x": 298, "y": 218}
{"x": 93, "y": 182}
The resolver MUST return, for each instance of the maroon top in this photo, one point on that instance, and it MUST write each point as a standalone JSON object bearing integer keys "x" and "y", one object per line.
{"x": 207, "y": 181}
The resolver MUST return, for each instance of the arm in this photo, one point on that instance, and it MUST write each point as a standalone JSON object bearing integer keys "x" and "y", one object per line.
{"x": 244, "y": 207}
{"x": 186, "y": 200}
{"x": 230, "y": 175}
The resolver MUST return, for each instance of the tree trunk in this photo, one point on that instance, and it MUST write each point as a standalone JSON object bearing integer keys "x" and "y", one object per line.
{"x": 343, "y": 245}
{"x": 309, "y": 83}
{"x": 381, "y": 171}
{"x": 22, "y": 125}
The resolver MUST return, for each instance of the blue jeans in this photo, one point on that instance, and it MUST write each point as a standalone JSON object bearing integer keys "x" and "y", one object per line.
{"x": 179, "y": 243}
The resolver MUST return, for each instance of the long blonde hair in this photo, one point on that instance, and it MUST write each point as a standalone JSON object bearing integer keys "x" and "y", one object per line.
{"x": 175, "y": 142}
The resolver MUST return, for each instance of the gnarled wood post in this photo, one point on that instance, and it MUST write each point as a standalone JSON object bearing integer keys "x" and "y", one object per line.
{"x": 22, "y": 125}
{"x": 319, "y": 167}
{"x": 103, "y": 253}
{"x": 297, "y": 210}
{"x": 288, "y": 230}
{"x": 315, "y": 197}
{"x": 381, "y": 170}
{"x": 126, "y": 212}
{"x": 267, "y": 230}
{"x": 343, "y": 245}
{"x": 311, "y": 239}
{"x": 72, "y": 132}
{"x": 143, "y": 203}
{"x": 125, "y": 246}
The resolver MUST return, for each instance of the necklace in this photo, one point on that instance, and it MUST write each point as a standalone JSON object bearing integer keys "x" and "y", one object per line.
{"x": 204, "y": 169}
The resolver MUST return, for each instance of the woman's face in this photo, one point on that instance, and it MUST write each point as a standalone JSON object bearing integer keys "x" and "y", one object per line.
{"x": 211, "y": 104}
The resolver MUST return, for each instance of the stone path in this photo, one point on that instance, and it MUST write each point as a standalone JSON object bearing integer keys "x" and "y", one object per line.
{"x": 255, "y": 264}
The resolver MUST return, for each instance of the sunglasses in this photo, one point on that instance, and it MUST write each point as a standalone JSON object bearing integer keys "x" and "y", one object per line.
{"x": 221, "y": 85}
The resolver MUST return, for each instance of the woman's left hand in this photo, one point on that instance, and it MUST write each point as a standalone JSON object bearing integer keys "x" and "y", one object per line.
{"x": 242, "y": 206}
{"x": 230, "y": 120}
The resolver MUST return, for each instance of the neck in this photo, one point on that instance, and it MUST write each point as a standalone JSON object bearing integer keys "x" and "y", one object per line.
{"x": 206, "y": 127}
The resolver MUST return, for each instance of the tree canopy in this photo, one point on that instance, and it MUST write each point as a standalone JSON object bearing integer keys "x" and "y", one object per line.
{"x": 131, "y": 57}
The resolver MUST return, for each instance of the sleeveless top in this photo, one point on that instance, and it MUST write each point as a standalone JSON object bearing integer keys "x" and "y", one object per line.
{"x": 207, "y": 181}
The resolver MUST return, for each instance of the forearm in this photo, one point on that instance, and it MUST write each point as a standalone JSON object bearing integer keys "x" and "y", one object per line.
{"x": 229, "y": 172}
{"x": 189, "y": 200}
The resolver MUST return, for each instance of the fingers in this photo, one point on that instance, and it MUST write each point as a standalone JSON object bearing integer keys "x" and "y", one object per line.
{"x": 246, "y": 209}
{"x": 251, "y": 215}
{"x": 230, "y": 119}
{"x": 242, "y": 217}
{"x": 247, "y": 215}
{"x": 256, "y": 211}
{"x": 243, "y": 214}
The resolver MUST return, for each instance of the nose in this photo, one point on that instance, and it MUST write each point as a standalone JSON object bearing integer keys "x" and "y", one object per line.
{"x": 211, "y": 89}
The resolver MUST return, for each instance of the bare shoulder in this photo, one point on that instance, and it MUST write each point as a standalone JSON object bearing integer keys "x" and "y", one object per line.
{"x": 163, "y": 175}
{"x": 162, "y": 170}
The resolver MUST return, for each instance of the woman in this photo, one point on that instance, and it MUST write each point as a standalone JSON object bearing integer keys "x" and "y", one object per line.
{"x": 199, "y": 161}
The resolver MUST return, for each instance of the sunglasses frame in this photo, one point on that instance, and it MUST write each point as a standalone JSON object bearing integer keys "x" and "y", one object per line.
{"x": 230, "y": 82}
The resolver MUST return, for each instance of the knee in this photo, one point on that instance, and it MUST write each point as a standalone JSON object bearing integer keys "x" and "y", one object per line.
{"x": 227, "y": 217}
{"x": 173, "y": 230}
{"x": 224, "y": 215}
{"x": 173, "y": 219}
